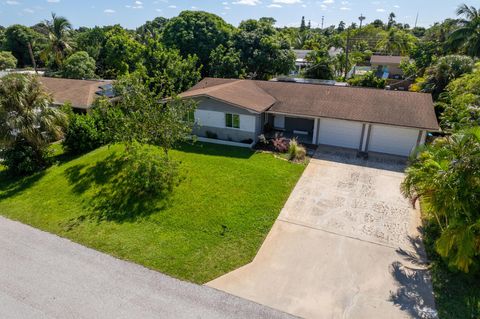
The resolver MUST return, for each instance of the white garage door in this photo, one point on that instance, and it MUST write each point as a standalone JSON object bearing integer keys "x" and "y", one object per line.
{"x": 392, "y": 140}
{"x": 340, "y": 133}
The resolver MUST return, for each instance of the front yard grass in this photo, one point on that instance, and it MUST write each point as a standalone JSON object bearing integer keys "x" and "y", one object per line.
{"x": 214, "y": 222}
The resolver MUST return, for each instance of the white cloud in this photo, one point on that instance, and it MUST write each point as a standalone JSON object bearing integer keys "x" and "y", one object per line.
{"x": 345, "y": 8}
{"x": 287, "y": 1}
{"x": 380, "y": 10}
{"x": 53, "y": 1}
{"x": 247, "y": 2}
{"x": 172, "y": 6}
{"x": 396, "y": 6}
{"x": 109, "y": 11}
{"x": 28, "y": 10}
{"x": 328, "y": 1}
{"x": 274, "y": 6}
{"x": 12, "y": 2}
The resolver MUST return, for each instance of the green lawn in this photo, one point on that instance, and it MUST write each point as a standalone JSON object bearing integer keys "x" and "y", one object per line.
{"x": 214, "y": 222}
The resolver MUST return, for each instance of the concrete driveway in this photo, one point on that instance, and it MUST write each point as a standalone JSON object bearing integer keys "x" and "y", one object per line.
{"x": 44, "y": 276}
{"x": 344, "y": 246}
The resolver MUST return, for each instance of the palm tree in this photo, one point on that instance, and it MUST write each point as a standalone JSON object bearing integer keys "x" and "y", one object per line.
{"x": 396, "y": 41}
{"x": 361, "y": 18}
{"x": 467, "y": 37}
{"x": 26, "y": 115}
{"x": 57, "y": 31}
{"x": 446, "y": 175}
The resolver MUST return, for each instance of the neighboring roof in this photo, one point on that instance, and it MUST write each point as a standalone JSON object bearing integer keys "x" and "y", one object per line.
{"x": 245, "y": 94}
{"x": 80, "y": 93}
{"x": 386, "y": 59}
{"x": 301, "y": 54}
{"x": 397, "y": 108}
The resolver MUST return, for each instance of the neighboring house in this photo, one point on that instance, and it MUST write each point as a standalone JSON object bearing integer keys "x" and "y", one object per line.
{"x": 301, "y": 62}
{"x": 387, "y": 67}
{"x": 80, "y": 93}
{"x": 367, "y": 120}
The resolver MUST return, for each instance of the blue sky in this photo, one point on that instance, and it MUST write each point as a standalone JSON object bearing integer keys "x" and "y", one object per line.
{"x": 132, "y": 13}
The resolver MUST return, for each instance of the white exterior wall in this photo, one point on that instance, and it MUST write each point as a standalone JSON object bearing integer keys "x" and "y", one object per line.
{"x": 340, "y": 133}
{"x": 217, "y": 119}
{"x": 393, "y": 140}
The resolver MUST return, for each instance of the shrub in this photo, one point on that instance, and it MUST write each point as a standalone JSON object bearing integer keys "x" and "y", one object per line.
{"x": 280, "y": 144}
{"x": 79, "y": 66}
{"x": 368, "y": 80}
{"x": 262, "y": 139}
{"x": 24, "y": 159}
{"x": 211, "y": 134}
{"x": 81, "y": 134}
{"x": 296, "y": 151}
{"x": 7, "y": 60}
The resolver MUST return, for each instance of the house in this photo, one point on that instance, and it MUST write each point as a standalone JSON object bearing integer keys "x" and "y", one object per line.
{"x": 80, "y": 93}
{"x": 387, "y": 67}
{"x": 368, "y": 120}
{"x": 301, "y": 62}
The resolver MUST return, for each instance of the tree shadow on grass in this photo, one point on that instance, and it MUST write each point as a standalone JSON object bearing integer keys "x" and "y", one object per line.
{"x": 216, "y": 150}
{"x": 414, "y": 295}
{"x": 11, "y": 185}
{"x": 112, "y": 199}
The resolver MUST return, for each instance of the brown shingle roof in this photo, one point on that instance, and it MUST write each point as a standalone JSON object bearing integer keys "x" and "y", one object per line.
{"x": 387, "y": 59}
{"x": 246, "y": 94}
{"x": 80, "y": 93}
{"x": 398, "y": 108}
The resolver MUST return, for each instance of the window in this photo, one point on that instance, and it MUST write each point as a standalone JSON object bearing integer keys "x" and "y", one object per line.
{"x": 232, "y": 120}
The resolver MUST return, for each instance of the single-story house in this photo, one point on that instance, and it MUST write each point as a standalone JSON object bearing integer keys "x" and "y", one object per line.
{"x": 80, "y": 93}
{"x": 387, "y": 66}
{"x": 368, "y": 120}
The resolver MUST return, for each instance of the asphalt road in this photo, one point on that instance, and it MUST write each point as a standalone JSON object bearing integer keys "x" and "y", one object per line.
{"x": 45, "y": 276}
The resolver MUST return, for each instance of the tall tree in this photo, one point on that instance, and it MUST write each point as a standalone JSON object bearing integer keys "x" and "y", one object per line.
{"x": 391, "y": 20}
{"x": 197, "y": 33}
{"x": 28, "y": 123}
{"x": 302, "y": 25}
{"x": 361, "y": 18}
{"x": 446, "y": 176}
{"x": 467, "y": 37}
{"x": 263, "y": 51}
{"x": 59, "y": 43}
{"x": 18, "y": 38}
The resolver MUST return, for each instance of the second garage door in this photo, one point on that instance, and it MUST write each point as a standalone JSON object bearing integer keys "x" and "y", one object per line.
{"x": 340, "y": 133}
{"x": 393, "y": 140}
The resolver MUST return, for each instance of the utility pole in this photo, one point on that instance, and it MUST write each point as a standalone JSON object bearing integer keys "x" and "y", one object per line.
{"x": 361, "y": 18}
{"x": 346, "y": 53}
{"x": 416, "y": 20}
{"x": 323, "y": 19}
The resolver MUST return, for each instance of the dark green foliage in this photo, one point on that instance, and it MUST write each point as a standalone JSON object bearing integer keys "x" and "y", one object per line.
{"x": 264, "y": 52}
{"x": 225, "y": 62}
{"x": 321, "y": 65}
{"x": 368, "y": 80}
{"x": 79, "y": 66}
{"x": 197, "y": 33}
{"x": 81, "y": 134}
{"x": 445, "y": 70}
{"x": 166, "y": 72}
{"x": 24, "y": 158}
{"x": 17, "y": 39}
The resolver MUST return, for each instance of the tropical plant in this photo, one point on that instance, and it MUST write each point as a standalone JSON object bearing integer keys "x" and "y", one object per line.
{"x": 461, "y": 102}
{"x": 225, "y": 62}
{"x": 369, "y": 79}
{"x": 296, "y": 152}
{"x": 7, "y": 60}
{"x": 445, "y": 70}
{"x": 467, "y": 37}
{"x": 79, "y": 66}
{"x": 446, "y": 176}
{"x": 27, "y": 118}
{"x": 396, "y": 41}
{"x": 59, "y": 42}
{"x": 321, "y": 65}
